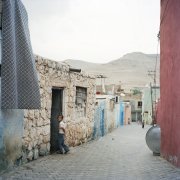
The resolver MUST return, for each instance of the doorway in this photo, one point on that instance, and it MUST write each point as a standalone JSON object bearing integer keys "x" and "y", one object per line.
{"x": 56, "y": 109}
{"x": 102, "y": 123}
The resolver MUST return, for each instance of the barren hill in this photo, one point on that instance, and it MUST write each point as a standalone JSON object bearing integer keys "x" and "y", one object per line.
{"x": 131, "y": 70}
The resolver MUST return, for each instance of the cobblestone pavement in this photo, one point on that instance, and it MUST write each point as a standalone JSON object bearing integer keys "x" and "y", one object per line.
{"x": 121, "y": 155}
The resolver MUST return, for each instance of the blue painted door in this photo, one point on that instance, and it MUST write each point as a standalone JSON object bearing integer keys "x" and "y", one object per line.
{"x": 102, "y": 123}
{"x": 121, "y": 114}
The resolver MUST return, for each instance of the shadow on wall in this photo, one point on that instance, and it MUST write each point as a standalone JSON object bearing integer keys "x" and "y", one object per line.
{"x": 11, "y": 132}
{"x": 10, "y": 138}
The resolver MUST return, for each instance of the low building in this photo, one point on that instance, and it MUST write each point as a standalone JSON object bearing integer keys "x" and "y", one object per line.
{"x": 63, "y": 91}
{"x": 110, "y": 113}
{"x": 27, "y": 134}
{"x": 135, "y": 101}
{"x": 105, "y": 115}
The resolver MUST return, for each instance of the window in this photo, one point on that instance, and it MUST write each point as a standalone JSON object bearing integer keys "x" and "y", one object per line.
{"x": 81, "y": 99}
{"x": 139, "y": 104}
{"x": 117, "y": 99}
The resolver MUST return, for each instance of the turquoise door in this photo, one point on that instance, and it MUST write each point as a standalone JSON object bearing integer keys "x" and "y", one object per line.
{"x": 102, "y": 123}
{"x": 121, "y": 114}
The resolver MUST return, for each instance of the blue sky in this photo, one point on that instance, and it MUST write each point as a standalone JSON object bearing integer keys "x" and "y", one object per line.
{"x": 92, "y": 30}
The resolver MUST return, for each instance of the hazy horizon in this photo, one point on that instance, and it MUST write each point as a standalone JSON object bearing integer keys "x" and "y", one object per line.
{"x": 94, "y": 31}
{"x": 130, "y": 53}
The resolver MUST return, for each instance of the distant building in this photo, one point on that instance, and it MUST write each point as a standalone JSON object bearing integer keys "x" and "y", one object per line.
{"x": 150, "y": 96}
{"x": 110, "y": 89}
{"x": 136, "y": 105}
{"x": 110, "y": 113}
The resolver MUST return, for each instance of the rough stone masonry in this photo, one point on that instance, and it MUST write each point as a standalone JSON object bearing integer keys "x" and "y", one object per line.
{"x": 36, "y": 135}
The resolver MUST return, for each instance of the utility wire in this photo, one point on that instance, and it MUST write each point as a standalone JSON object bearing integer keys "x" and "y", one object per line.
{"x": 155, "y": 68}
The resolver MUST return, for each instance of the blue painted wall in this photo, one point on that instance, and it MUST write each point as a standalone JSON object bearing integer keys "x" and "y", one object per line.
{"x": 99, "y": 120}
{"x": 102, "y": 123}
{"x": 121, "y": 113}
{"x": 11, "y": 132}
{"x": 117, "y": 106}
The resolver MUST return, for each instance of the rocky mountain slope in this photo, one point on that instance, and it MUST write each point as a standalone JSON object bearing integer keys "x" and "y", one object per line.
{"x": 130, "y": 71}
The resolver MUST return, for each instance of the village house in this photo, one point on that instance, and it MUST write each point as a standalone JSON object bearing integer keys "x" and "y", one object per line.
{"x": 64, "y": 91}
{"x": 27, "y": 134}
{"x": 105, "y": 117}
{"x": 135, "y": 103}
{"x": 111, "y": 99}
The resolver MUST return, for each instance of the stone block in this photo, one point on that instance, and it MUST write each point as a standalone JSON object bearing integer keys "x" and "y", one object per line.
{"x": 39, "y": 61}
{"x": 25, "y": 113}
{"x": 54, "y": 65}
{"x": 49, "y": 64}
{"x": 30, "y": 114}
{"x": 50, "y": 71}
{"x": 48, "y": 104}
{"x": 43, "y": 150}
{"x": 39, "y": 122}
{"x": 46, "y": 138}
{"x": 43, "y": 114}
{"x": 36, "y": 153}
{"x": 25, "y": 133}
{"x": 46, "y": 122}
{"x": 46, "y": 130}
{"x": 25, "y": 142}
{"x": 39, "y": 131}
{"x": 35, "y": 143}
{"x": 30, "y": 125}
{"x": 48, "y": 147}
{"x": 40, "y": 140}
{"x": 26, "y": 123}
{"x": 30, "y": 146}
{"x": 33, "y": 133}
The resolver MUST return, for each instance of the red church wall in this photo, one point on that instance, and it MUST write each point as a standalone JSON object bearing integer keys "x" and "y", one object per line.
{"x": 170, "y": 80}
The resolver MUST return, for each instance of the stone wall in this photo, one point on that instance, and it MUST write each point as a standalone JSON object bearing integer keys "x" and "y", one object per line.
{"x": 36, "y": 136}
{"x": 11, "y": 125}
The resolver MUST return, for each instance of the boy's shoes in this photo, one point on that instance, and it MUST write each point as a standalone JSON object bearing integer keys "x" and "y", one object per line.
{"x": 59, "y": 152}
{"x": 66, "y": 152}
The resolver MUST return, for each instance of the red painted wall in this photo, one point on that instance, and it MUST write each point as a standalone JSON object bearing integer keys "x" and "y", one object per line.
{"x": 170, "y": 80}
{"x": 157, "y": 113}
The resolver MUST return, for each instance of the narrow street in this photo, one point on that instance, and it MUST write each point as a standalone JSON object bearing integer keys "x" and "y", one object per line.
{"x": 122, "y": 154}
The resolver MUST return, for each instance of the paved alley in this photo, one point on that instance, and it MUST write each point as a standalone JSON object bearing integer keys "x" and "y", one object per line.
{"x": 121, "y": 154}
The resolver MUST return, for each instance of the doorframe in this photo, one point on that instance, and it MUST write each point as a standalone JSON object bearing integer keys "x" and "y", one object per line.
{"x": 61, "y": 107}
{"x": 63, "y": 96}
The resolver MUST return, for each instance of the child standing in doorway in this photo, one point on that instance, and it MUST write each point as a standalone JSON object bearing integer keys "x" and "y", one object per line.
{"x": 61, "y": 135}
